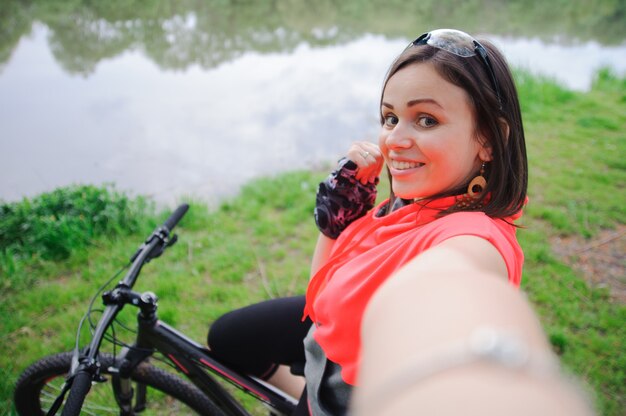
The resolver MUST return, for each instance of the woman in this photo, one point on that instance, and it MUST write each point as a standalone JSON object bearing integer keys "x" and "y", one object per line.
{"x": 453, "y": 143}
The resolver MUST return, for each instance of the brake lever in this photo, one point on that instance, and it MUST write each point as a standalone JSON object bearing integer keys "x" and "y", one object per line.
{"x": 159, "y": 249}
{"x": 160, "y": 233}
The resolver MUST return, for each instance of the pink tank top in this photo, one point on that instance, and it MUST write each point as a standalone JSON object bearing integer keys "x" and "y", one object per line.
{"x": 371, "y": 249}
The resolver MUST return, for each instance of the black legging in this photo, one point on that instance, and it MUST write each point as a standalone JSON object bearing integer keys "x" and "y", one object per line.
{"x": 259, "y": 337}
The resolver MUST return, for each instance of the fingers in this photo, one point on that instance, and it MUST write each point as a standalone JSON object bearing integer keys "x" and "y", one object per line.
{"x": 368, "y": 159}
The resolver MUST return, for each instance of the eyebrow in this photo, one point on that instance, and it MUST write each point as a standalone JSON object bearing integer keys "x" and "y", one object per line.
{"x": 411, "y": 103}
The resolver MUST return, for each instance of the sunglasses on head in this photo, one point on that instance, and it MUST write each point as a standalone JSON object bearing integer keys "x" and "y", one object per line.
{"x": 460, "y": 44}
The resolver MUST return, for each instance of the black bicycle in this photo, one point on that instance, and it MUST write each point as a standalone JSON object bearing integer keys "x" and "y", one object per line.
{"x": 129, "y": 382}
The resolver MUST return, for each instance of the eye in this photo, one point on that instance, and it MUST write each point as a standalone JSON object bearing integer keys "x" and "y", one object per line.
{"x": 390, "y": 120}
{"x": 427, "y": 121}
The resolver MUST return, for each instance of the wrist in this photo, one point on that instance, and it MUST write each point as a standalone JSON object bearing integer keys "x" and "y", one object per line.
{"x": 342, "y": 199}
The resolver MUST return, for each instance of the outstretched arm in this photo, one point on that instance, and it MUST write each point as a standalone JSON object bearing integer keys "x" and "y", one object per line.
{"x": 422, "y": 342}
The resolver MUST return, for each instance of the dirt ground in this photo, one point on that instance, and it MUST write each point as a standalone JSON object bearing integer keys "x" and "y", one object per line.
{"x": 602, "y": 259}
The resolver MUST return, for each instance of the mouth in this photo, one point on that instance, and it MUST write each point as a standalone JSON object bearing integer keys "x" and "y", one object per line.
{"x": 404, "y": 165}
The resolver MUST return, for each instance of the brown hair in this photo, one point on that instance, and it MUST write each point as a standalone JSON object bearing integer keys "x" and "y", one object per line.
{"x": 507, "y": 172}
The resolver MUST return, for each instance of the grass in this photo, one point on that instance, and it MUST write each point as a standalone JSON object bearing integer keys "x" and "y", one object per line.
{"x": 258, "y": 245}
{"x": 576, "y": 143}
{"x": 54, "y": 225}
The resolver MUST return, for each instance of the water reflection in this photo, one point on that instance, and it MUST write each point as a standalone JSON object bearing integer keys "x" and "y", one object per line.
{"x": 178, "y": 33}
{"x": 201, "y": 132}
{"x": 242, "y": 103}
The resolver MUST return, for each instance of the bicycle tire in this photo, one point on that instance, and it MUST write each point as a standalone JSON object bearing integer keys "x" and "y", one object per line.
{"x": 32, "y": 396}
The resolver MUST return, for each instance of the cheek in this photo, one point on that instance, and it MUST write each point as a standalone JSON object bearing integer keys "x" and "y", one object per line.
{"x": 382, "y": 142}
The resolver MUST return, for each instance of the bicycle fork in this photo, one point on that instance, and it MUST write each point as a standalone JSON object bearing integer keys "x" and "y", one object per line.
{"x": 130, "y": 358}
{"x": 124, "y": 393}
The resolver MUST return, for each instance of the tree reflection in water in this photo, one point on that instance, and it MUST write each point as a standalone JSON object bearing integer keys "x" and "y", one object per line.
{"x": 176, "y": 34}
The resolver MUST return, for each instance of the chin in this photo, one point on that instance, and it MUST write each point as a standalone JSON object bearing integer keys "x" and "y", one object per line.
{"x": 407, "y": 195}
{"x": 400, "y": 190}
{"x": 406, "y": 191}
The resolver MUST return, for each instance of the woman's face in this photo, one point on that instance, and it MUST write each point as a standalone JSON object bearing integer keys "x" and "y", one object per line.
{"x": 428, "y": 135}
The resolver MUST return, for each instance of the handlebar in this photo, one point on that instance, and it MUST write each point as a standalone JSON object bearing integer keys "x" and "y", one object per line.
{"x": 153, "y": 247}
{"x": 155, "y": 244}
{"x": 171, "y": 222}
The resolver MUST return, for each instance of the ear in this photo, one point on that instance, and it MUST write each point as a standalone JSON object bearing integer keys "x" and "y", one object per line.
{"x": 486, "y": 151}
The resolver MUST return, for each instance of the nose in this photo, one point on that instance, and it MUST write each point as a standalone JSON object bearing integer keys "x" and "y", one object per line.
{"x": 400, "y": 137}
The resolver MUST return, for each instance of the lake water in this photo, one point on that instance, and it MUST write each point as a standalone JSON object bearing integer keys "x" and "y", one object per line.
{"x": 177, "y": 122}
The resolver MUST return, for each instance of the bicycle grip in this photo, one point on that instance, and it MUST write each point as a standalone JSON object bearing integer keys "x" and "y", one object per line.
{"x": 80, "y": 387}
{"x": 171, "y": 222}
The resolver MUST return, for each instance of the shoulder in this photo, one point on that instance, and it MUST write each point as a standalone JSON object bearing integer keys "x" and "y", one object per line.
{"x": 498, "y": 232}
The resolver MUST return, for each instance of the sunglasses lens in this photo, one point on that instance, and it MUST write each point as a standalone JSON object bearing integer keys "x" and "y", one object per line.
{"x": 453, "y": 41}
{"x": 460, "y": 44}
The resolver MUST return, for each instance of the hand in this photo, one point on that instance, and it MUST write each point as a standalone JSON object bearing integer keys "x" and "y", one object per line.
{"x": 368, "y": 159}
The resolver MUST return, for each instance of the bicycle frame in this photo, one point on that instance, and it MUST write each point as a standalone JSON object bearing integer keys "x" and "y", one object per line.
{"x": 193, "y": 360}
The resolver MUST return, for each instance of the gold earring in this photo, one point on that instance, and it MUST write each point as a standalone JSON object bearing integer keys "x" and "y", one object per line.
{"x": 478, "y": 184}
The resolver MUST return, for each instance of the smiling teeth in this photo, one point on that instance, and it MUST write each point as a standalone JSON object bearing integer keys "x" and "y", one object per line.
{"x": 405, "y": 165}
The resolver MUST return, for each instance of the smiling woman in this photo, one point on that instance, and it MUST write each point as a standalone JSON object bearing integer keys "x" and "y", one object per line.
{"x": 453, "y": 142}
{"x": 424, "y": 117}
{"x": 456, "y": 119}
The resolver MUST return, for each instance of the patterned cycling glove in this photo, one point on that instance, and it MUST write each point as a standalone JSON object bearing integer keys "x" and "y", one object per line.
{"x": 342, "y": 199}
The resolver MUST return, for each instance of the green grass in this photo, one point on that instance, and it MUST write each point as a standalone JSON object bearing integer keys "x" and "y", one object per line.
{"x": 54, "y": 225}
{"x": 576, "y": 147}
{"x": 259, "y": 245}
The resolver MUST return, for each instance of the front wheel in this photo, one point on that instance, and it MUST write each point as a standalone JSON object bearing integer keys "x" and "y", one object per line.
{"x": 40, "y": 384}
